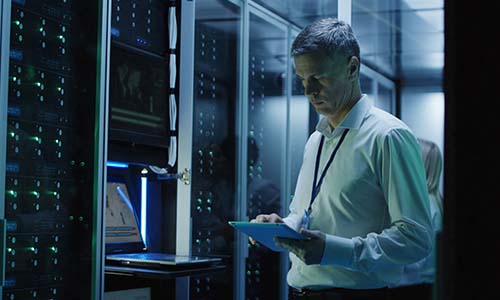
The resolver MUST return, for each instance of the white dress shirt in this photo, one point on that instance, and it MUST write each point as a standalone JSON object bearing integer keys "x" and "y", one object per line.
{"x": 373, "y": 204}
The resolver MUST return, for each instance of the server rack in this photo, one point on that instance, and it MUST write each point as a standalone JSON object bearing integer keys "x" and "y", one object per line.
{"x": 234, "y": 128}
{"x": 53, "y": 96}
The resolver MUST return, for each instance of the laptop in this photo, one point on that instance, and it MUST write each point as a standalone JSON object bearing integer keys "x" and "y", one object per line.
{"x": 124, "y": 243}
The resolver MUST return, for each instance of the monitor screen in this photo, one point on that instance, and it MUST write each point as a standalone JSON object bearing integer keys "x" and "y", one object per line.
{"x": 138, "y": 97}
{"x": 121, "y": 220}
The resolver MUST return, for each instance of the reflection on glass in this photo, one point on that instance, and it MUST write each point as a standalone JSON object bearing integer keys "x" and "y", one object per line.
{"x": 266, "y": 141}
{"x": 385, "y": 99}
{"x": 373, "y": 24}
{"x": 301, "y": 12}
{"x": 366, "y": 84}
{"x": 217, "y": 28}
{"x": 299, "y": 128}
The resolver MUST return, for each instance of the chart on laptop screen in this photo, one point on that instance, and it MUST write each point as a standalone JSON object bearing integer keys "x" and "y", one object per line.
{"x": 121, "y": 224}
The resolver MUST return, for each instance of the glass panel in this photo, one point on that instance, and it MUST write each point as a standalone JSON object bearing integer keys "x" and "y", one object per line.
{"x": 302, "y": 12}
{"x": 300, "y": 128}
{"x": 366, "y": 84}
{"x": 385, "y": 99}
{"x": 374, "y": 24}
{"x": 266, "y": 145}
{"x": 214, "y": 159}
{"x": 50, "y": 163}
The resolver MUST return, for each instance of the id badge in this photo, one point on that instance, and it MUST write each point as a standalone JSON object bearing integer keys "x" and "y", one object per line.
{"x": 306, "y": 219}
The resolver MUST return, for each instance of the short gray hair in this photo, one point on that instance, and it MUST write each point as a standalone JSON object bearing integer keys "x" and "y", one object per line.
{"x": 330, "y": 36}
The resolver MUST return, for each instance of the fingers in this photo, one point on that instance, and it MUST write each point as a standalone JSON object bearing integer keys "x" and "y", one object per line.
{"x": 272, "y": 218}
{"x": 310, "y": 251}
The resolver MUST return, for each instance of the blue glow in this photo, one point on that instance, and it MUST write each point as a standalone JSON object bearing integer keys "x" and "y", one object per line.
{"x": 115, "y": 164}
{"x": 144, "y": 207}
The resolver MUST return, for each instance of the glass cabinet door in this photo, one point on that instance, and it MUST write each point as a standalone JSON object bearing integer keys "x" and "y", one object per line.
{"x": 267, "y": 109}
{"x": 215, "y": 94}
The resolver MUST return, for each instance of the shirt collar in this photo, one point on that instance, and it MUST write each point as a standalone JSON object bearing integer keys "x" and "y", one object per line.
{"x": 352, "y": 120}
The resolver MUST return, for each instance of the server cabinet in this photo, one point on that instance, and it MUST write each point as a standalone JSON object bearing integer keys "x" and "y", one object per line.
{"x": 215, "y": 141}
{"x": 53, "y": 146}
{"x": 267, "y": 116}
{"x": 237, "y": 140}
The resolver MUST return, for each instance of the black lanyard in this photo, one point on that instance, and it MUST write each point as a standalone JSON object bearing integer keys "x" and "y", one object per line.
{"x": 316, "y": 186}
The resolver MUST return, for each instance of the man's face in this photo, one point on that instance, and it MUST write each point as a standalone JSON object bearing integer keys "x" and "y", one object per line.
{"x": 325, "y": 81}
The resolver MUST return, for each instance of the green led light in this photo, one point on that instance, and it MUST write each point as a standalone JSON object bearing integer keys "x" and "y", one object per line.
{"x": 40, "y": 29}
{"x": 71, "y": 218}
{"x": 36, "y": 139}
{"x": 80, "y": 218}
{"x": 199, "y": 200}
{"x": 17, "y": 22}
{"x": 209, "y": 200}
{"x": 35, "y": 193}
{"x": 82, "y": 164}
{"x": 59, "y": 88}
{"x": 12, "y": 134}
{"x": 32, "y": 249}
{"x": 38, "y": 84}
{"x": 54, "y": 249}
{"x": 12, "y": 193}
{"x": 14, "y": 78}
{"x": 9, "y": 250}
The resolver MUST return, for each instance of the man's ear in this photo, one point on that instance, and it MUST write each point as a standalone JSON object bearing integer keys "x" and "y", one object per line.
{"x": 353, "y": 68}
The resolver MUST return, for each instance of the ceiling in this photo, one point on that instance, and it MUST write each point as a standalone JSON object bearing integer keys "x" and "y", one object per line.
{"x": 401, "y": 39}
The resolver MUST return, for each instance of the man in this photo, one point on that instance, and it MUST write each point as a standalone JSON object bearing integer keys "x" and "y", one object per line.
{"x": 361, "y": 194}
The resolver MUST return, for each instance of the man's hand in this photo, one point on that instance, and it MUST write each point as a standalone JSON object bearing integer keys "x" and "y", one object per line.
{"x": 309, "y": 251}
{"x": 272, "y": 218}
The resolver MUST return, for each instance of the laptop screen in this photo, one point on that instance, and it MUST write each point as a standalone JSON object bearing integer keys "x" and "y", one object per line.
{"x": 122, "y": 227}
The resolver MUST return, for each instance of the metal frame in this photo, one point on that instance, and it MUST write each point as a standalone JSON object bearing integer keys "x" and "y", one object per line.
{"x": 101, "y": 148}
{"x": 5, "y": 11}
{"x": 344, "y": 10}
{"x": 241, "y": 249}
{"x": 185, "y": 140}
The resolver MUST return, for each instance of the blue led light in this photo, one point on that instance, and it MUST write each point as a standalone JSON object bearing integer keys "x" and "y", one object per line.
{"x": 115, "y": 32}
{"x": 16, "y": 55}
{"x": 144, "y": 207}
{"x": 115, "y": 164}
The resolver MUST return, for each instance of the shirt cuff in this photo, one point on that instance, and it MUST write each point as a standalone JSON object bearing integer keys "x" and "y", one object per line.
{"x": 338, "y": 251}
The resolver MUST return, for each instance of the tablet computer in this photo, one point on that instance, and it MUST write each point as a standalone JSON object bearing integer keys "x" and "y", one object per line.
{"x": 265, "y": 232}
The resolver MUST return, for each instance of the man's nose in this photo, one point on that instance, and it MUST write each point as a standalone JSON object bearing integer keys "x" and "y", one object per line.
{"x": 311, "y": 89}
